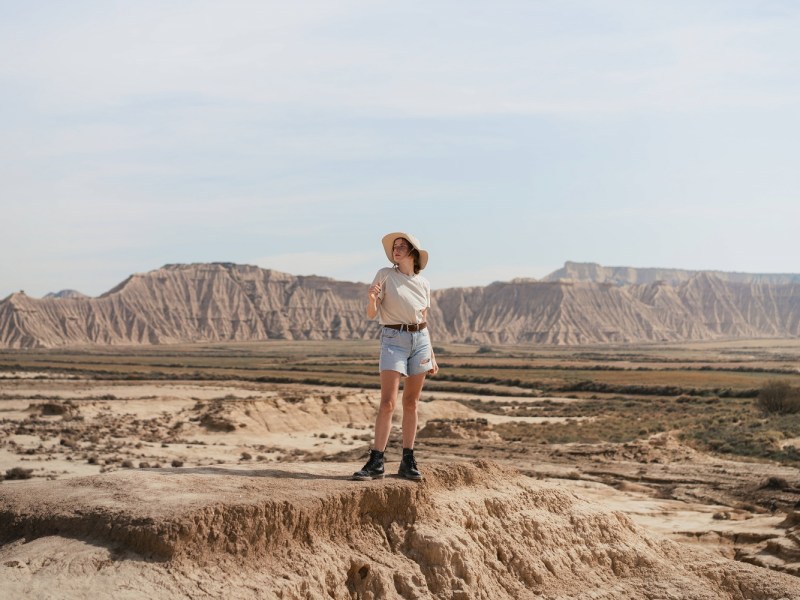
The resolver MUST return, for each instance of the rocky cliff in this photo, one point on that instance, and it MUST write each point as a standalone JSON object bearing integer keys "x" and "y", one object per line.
{"x": 702, "y": 308}
{"x": 576, "y": 271}
{"x": 223, "y": 301}
{"x": 186, "y": 303}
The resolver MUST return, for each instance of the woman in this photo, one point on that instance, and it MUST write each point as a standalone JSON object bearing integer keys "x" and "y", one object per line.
{"x": 400, "y": 297}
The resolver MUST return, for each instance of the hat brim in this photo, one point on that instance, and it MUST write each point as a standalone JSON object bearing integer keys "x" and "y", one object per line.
{"x": 388, "y": 242}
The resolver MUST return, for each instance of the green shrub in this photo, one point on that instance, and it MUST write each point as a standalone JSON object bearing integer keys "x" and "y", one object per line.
{"x": 779, "y": 397}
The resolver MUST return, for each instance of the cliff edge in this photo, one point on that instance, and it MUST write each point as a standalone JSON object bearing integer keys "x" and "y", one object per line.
{"x": 304, "y": 530}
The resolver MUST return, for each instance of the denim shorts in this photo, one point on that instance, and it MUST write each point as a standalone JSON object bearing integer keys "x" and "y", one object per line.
{"x": 407, "y": 352}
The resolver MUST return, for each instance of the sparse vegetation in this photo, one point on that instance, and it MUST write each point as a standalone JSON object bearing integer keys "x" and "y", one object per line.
{"x": 484, "y": 370}
{"x": 779, "y": 397}
{"x": 19, "y": 473}
{"x": 775, "y": 483}
{"x": 57, "y": 408}
{"x": 734, "y": 426}
{"x": 714, "y": 397}
{"x": 597, "y": 414}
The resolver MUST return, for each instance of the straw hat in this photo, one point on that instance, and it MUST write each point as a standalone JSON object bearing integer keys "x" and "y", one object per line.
{"x": 388, "y": 242}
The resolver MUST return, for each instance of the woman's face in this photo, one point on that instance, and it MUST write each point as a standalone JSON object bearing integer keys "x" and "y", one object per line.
{"x": 400, "y": 249}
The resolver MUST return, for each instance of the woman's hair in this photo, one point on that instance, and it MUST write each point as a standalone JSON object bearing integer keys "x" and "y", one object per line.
{"x": 415, "y": 254}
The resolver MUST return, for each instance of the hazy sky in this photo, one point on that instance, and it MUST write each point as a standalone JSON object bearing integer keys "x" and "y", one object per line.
{"x": 508, "y": 136}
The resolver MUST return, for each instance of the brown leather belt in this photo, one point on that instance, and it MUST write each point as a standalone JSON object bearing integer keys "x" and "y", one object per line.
{"x": 418, "y": 327}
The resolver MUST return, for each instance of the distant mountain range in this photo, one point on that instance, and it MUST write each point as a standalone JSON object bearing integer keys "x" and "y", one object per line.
{"x": 575, "y": 271}
{"x": 66, "y": 294}
{"x": 581, "y": 303}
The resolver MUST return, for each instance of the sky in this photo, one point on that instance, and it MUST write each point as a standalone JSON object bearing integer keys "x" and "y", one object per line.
{"x": 508, "y": 136}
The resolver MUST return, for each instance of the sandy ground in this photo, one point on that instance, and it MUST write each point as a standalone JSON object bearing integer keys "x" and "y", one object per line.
{"x": 54, "y": 431}
{"x": 157, "y": 423}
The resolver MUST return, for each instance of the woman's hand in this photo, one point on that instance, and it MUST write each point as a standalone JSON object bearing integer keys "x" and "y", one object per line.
{"x": 374, "y": 292}
{"x": 434, "y": 366}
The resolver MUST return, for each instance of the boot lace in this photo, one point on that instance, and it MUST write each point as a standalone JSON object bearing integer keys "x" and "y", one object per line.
{"x": 410, "y": 461}
{"x": 374, "y": 461}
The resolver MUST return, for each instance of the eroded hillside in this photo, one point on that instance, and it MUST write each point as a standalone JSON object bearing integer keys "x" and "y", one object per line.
{"x": 226, "y": 302}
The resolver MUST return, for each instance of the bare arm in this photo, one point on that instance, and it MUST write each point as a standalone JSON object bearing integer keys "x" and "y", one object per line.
{"x": 434, "y": 365}
{"x": 374, "y": 301}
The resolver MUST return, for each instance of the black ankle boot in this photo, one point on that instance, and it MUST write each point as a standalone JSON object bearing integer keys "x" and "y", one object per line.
{"x": 373, "y": 469}
{"x": 408, "y": 466}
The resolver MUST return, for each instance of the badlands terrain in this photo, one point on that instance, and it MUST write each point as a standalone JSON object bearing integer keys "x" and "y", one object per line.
{"x": 577, "y": 305}
{"x": 222, "y": 470}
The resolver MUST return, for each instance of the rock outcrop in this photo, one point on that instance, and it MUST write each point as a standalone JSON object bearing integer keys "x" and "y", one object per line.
{"x": 303, "y": 530}
{"x": 191, "y": 303}
{"x": 702, "y": 308}
{"x": 227, "y": 302}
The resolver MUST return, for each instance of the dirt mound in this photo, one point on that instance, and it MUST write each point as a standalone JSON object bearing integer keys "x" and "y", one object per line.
{"x": 471, "y": 530}
{"x": 463, "y": 429}
{"x": 658, "y": 448}
{"x": 287, "y": 413}
{"x": 53, "y": 408}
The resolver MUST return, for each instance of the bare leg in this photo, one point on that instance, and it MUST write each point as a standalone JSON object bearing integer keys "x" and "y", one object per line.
{"x": 390, "y": 384}
{"x": 411, "y": 392}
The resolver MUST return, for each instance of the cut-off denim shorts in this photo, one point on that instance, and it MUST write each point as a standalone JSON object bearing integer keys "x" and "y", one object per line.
{"x": 407, "y": 352}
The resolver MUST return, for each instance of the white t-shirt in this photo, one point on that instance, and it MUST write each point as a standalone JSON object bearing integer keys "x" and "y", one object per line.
{"x": 403, "y": 297}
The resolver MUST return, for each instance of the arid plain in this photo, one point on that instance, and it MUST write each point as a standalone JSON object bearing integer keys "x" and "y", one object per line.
{"x": 110, "y": 454}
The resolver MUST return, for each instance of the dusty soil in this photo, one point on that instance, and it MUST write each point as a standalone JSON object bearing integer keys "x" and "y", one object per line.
{"x": 241, "y": 490}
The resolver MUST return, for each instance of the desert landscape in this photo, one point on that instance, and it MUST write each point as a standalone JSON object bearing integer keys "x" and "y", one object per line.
{"x": 222, "y": 470}
{"x": 591, "y": 205}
